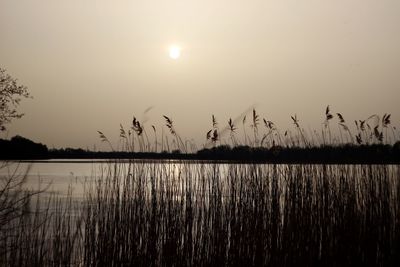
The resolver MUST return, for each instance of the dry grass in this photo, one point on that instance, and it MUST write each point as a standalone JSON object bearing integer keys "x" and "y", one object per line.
{"x": 196, "y": 214}
{"x": 233, "y": 215}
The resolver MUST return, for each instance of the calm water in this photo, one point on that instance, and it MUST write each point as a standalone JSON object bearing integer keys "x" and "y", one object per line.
{"x": 58, "y": 175}
{"x": 63, "y": 176}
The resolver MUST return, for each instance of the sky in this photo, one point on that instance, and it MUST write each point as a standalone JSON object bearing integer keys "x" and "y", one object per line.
{"x": 91, "y": 65}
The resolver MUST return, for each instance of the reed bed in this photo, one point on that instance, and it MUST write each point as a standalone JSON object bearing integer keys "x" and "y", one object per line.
{"x": 198, "y": 214}
{"x": 234, "y": 215}
{"x": 336, "y": 131}
{"x": 44, "y": 233}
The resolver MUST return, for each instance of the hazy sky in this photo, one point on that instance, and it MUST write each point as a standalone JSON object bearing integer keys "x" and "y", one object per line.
{"x": 92, "y": 65}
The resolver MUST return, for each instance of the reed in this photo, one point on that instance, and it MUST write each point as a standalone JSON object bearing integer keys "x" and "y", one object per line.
{"x": 186, "y": 213}
{"x": 232, "y": 215}
{"x": 205, "y": 214}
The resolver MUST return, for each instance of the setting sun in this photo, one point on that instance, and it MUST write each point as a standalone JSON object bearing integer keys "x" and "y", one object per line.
{"x": 174, "y": 51}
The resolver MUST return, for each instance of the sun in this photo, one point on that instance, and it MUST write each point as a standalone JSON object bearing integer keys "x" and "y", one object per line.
{"x": 174, "y": 51}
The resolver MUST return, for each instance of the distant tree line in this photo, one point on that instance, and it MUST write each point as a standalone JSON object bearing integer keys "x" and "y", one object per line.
{"x": 19, "y": 147}
{"x": 22, "y": 148}
{"x": 367, "y": 154}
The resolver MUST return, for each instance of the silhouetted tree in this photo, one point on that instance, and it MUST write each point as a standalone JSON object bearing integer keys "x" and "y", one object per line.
{"x": 22, "y": 148}
{"x": 10, "y": 96}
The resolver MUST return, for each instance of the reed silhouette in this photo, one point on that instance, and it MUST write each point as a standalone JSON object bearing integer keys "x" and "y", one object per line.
{"x": 200, "y": 214}
{"x": 195, "y": 213}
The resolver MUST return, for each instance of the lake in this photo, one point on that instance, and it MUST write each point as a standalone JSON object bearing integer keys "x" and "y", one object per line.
{"x": 57, "y": 175}
{"x": 63, "y": 177}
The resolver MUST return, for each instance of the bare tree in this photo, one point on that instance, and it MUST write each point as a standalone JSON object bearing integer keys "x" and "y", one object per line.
{"x": 11, "y": 94}
{"x": 14, "y": 200}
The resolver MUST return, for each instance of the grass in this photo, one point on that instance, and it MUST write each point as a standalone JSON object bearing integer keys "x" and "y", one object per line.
{"x": 335, "y": 131}
{"x": 187, "y": 214}
{"x": 257, "y": 215}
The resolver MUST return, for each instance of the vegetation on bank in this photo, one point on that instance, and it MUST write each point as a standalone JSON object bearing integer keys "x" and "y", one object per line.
{"x": 375, "y": 140}
{"x": 22, "y": 148}
{"x": 180, "y": 214}
{"x": 174, "y": 213}
{"x": 19, "y": 147}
